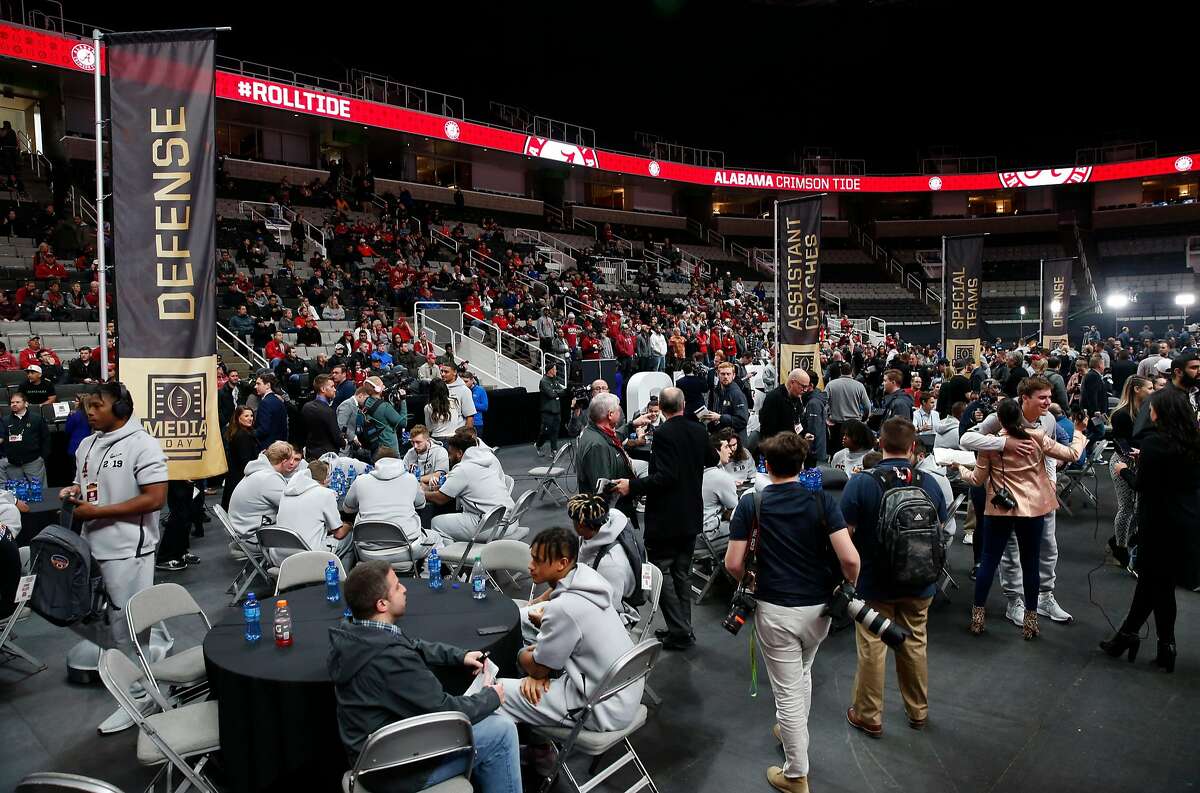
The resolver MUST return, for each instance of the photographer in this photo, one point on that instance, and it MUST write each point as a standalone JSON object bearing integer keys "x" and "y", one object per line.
{"x": 793, "y": 582}
{"x": 907, "y": 606}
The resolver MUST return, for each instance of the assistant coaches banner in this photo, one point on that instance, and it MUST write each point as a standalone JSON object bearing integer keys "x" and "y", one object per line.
{"x": 962, "y": 286}
{"x": 161, "y": 93}
{"x": 798, "y": 284}
{"x": 1056, "y": 288}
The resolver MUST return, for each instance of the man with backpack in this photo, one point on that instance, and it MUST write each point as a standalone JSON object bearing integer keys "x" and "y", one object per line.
{"x": 609, "y": 545}
{"x": 381, "y": 423}
{"x": 120, "y": 485}
{"x": 895, "y": 514}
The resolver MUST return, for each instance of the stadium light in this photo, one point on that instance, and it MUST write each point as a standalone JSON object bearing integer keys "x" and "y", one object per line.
{"x": 1022, "y": 309}
{"x": 1117, "y": 300}
{"x": 1056, "y": 306}
{"x": 1185, "y": 299}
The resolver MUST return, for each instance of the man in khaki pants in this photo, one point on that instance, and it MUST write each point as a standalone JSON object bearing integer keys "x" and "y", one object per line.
{"x": 907, "y": 607}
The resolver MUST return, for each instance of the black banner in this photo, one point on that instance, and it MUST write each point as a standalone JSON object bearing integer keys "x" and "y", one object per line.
{"x": 1056, "y": 300}
{"x": 962, "y": 289}
{"x": 161, "y": 91}
{"x": 798, "y": 284}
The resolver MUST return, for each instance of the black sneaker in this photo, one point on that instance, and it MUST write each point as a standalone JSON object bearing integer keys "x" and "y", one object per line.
{"x": 191, "y": 558}
{"x": 173, "y": 566}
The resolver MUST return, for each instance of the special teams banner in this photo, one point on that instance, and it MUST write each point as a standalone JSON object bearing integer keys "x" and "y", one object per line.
{"x": 161, "y": 94}
{"x": 962, "y": 288}
{"x": 1056, "y": 294}
{"x": 798, "y": 284}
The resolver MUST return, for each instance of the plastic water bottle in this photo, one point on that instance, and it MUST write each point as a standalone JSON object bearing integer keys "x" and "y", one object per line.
{"x": 762, "y": 464}
{"x": 405, "y": 438}
{"x": 35, "y": 491}
{"x": 348, "y": 614}
{"x": 253, "y": 616}
{"x": 283, "y": 624}
{"x": 441, "y": 478}
{"x": 434, "y": 563}
{"x": 478, "y": 580}
{"x": 333, "y": 592}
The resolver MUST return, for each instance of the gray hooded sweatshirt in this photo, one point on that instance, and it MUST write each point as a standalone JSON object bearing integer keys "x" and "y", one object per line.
{"x": 583, "y": 636}
{"x": 310, "y": 509}
{"x": 390, "y": 494}
{"x": 112, "y": 467}
{"x": 477, "y": 482}
{"x": 614, "y": 567}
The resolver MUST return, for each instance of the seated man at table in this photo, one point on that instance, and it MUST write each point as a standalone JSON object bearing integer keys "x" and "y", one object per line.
{"x": 380, "y": 676}
{"x": 474, "y": 481}
{"x": 391, "y": 494}
{"x": 255, "y": 500}
{"x": 580, "y": 635}
{"x": 427, "y": 458}
{"x": 309, "y": 508}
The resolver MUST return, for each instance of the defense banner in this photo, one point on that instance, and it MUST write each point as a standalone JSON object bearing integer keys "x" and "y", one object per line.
{"x": 1056, "y": 300}
{"x": 798, "y": 284}
{"x": 962, "y": 288}
{"x": 161, "y": 93}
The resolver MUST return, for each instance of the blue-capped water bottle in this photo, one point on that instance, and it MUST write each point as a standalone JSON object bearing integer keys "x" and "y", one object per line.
{"x": 441, "y": 478}
{"x": 478, "y": 580}
{"x": 434, "y": 563}
{"x": 35, "y": 491}
{"x": 762, "y": 464}
{"x": 252, "y": 614}
{"x": 333, "y": 591}
{"x": 405, "y": 438}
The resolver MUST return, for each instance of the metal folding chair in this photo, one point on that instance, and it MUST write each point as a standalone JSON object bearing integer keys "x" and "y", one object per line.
{"x": 168, "y": 738}
{"x": 286, "y": 542}
{"x": 640, "y": 631}
{"x": 708, "y": 564}
{"x": 946, "y": 581}
{"x": 547, "y": 476}
{"x": 420, "y": 739}
{"x": 183, "y": 672}
{"x": 460, "y": 552}
{"x": 7, "y": 625}
{"x": 505, "y": 556}
{"x": 54, "y": 782}
{"x": 376, "y": 539}
{"x": 1072, "y": 479}
{"x": 627, "y": 670}
{"x": 252, "y": 568}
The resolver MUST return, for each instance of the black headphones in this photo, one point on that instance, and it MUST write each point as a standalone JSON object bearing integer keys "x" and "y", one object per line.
{"x": 122, "y": 400}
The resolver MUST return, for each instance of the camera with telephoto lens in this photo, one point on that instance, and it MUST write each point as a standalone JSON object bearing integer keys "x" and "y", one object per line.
{"x": 846, "y": 601}
{"x": 1003, "y": 498}
{"x": 741, "y": 609}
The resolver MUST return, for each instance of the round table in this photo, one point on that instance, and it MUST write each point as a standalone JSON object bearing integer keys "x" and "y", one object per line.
{"x": 278, "y": 716}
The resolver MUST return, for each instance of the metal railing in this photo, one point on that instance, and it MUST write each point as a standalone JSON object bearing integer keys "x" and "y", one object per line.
{"x": 740, "y": 250}
{"x": 241, "y": 349}
{"x": 509, "y": 354}
{"x": 553, "y": 212}
{"x": 580, "y": 223}
{"x": 715, "y": 238}
{"x": 578, "y": 307}
{"x": 564, "y": 131}
{"x": 82, "y": 207}
{"x": 1087, "y": 270}
{"x": 688, "y": 155}
{"x": 516, "y": 117}
{"x": 562, "y": 255}
{"x": 276, "y": 75}
{"x": 37, "y": 160}
{"x": 445, "y": 239}
{"x": 382, "y": 89}
{"x": 503, "y": 370}
{"x": 280, "y": 214}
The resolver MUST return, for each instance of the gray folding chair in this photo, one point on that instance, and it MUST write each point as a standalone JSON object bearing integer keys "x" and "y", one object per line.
{"x": 946, "y": 581}
{"x": 547, "y": 475}
{"x": 379, "y": 540}
{"x": 627, "y": 670}
{"x": 420, "y": 739}
{"x": 278, "y": 543}
{"x": 510, "y": 526}
{"x": 183, "y": 672}
{"x": 54, "y": 782}
{"x": 1072, "y": 479}
{"x": 708, "y": 562}
{"x": 459, "y": 552}
{"x": 510, "y": 557}
{"x": 252, "y": 568}
{"x": 168, "y": 738}
{"x": 642, "y": 629}
{"x": 9, "y": 623}
{"x": 306, "y": 567}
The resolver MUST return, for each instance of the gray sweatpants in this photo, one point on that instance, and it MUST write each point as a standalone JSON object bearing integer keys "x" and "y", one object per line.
{"x": 1010, "y": 564}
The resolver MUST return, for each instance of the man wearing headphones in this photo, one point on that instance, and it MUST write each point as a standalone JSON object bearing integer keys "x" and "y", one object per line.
{"x": 120, "y": 485}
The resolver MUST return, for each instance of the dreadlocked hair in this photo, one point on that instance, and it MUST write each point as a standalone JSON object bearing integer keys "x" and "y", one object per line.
{"x": 588, "y": 509}
{"x": 555, "y": 543}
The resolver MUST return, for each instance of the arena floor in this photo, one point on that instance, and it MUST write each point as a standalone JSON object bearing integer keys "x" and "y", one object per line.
{"x": 1005, "y": 714}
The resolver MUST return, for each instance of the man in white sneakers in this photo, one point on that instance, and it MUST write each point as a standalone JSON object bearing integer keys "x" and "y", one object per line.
{"x": 390, "y": 494}
{"x": 255, "y": 500}
{"x": 120, "y": 486}
{"x": 472, "y": 480}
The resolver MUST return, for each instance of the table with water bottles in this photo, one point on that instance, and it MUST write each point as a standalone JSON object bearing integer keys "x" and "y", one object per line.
{"x": 278, "y": 716}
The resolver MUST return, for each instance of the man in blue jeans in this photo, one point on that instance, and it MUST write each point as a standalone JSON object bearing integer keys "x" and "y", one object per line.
{"x": 380, "y": 676}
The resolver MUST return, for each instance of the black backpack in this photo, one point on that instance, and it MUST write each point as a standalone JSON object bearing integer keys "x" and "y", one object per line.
{"x": 635, "y": 552}
{"x": 908, "y": 528}
{"x": 69, "y": 587}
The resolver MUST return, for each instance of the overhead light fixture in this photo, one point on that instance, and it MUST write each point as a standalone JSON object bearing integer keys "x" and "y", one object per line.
{"x": 1117, "y": 300}
{"x": 1185, "y": 299}
{"x": 1022, "y": 310}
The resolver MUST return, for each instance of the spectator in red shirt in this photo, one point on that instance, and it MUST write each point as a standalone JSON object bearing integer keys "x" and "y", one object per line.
{"x": 24, "y": 292}
{"x": 93, "y": 296}
{"x": 402, "y": 328}
{"x": 276, "y": 348}
{"x": 591, "y": 346}
{"x": 571, "y": 332}
{"x": 45, "y": 265}
{"x": 30, "y": 356}
{"x": 8, "y": 361}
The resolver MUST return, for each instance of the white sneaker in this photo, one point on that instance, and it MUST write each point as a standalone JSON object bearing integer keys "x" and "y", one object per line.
{"x": 1048, "y": 607}
{"x": 1015, "y": 612}
{"x": 968, "y": 538}
{"x": 119, "y": 720}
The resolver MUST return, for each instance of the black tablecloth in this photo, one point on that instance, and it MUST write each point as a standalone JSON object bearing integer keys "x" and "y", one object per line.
{"x": 278, "y": 715}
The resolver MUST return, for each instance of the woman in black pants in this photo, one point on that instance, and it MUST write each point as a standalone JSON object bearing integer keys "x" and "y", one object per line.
{"x": 1167, "y": 480}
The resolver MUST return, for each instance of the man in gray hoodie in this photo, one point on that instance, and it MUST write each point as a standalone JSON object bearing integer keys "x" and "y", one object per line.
{"x": 381, "y": 675}
{"x": 255, "y": 500}
{"x": 475, "y": 481}
{"x": 579, "y": 635}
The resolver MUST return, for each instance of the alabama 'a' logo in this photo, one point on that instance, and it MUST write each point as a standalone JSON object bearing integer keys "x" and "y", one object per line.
{"x": 1046, "y": 177}
{"x": 561, "y": 152}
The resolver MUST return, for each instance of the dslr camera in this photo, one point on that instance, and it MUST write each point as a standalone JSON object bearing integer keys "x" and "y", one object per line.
{"x": 742, "y": 607}
{"x": 1002, "y": 498}
{"x": 845, "y": 601}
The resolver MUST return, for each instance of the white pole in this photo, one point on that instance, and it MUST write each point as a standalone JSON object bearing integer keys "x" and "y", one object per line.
{"x": 101, "y": 269}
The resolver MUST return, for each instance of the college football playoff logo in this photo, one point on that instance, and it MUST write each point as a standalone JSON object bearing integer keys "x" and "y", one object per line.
{"x": 177, "y": 414}
{"x": 964, "y": 351}
{"x": 801, "y": 360}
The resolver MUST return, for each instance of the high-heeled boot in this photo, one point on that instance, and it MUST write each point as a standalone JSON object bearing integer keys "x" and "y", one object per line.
{"x": 1120, "y": 642}
{"x": 977, "y": 617}
{"x": 1166, "y": 656}
{"x": 1030, "y": 628}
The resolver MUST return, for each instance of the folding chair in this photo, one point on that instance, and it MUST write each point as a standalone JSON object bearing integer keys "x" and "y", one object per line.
{"x": 639, "y": 631}
{"x": 460, "y": 552}
{"x": 631, "y": 667}
{"x": 708, "y": 562}
{"x": 8, "y": 624}
{"x": 547, "y": 476}
{"x": 946, "y": 581}
{"x": 507, "y": 556}
{"x": 184, "y": 670}
{"x": 1072, "y": 479}
{"x": 168, "y": 738}
{"x": 252, "y": 568}
{"x": 54, "y": 782}
{"x": 420, "y": 739}
{"x": 510, "y": 526}
{"x": 278, "y": 543}
{"x": 379, "y": 540}
{"x": 306, "y": 567}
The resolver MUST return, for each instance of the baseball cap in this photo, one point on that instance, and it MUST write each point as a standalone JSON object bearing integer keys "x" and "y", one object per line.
{"x": 375, "y": 383}
{"x": 33, "y": 367}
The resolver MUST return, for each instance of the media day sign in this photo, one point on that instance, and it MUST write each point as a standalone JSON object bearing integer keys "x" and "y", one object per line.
{"x": 67, "y": 52}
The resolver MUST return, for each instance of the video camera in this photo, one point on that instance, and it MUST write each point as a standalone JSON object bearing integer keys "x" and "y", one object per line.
{"x": 846, "y": 601}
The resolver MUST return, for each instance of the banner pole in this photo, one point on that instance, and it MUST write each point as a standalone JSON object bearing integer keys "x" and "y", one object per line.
{"x": 945, "y": 300}
{"x": 1043, "y": 307}
{"x": 778, "y": 296}
{"x": 101, "y": 258}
